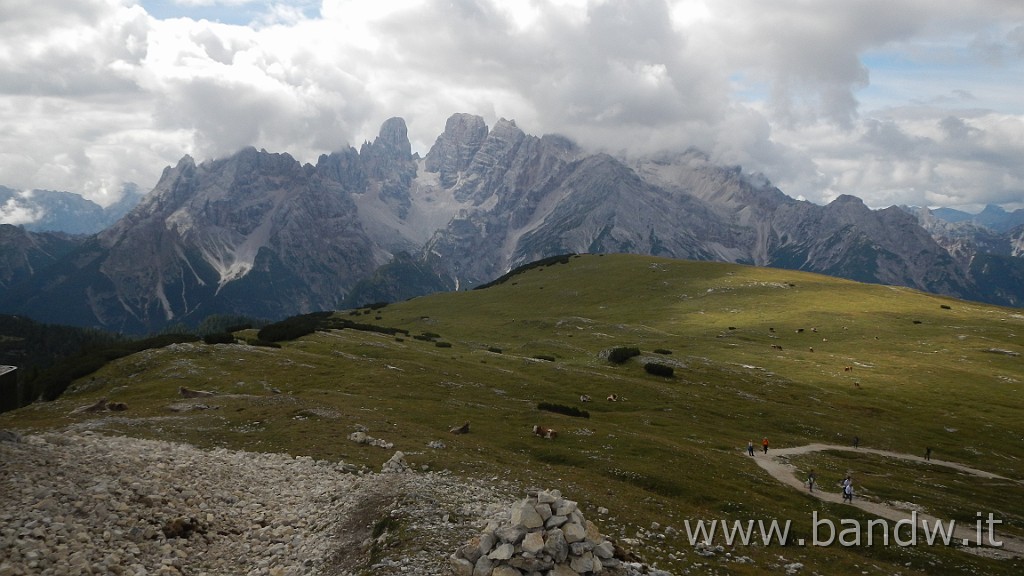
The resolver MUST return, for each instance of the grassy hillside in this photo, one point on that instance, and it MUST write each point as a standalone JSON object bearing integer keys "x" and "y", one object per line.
{"x": 755, "y": 352}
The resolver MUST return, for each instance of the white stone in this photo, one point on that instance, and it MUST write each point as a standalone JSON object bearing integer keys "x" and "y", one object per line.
{"x": 533, "y": 543}
{"x": 524, "y": 514}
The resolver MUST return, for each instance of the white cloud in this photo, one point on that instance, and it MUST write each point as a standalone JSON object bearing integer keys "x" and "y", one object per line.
{"x": 15, "y": 212}
{"x": 896, "y": 101}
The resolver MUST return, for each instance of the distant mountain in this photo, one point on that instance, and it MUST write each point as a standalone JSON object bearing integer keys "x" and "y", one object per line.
{"x": 993, "y": 259}
{"x": 24, "y": 254}
{"x": 992, "y": 217}
{"x": 261, "y": 235}
{"x": 54, "y": 211}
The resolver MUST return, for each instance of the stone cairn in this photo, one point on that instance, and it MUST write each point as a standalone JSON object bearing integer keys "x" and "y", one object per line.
{"x": 542, "y": 535}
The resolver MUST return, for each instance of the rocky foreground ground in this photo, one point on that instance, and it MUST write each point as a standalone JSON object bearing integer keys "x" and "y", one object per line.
{"x": 86, "y": 503}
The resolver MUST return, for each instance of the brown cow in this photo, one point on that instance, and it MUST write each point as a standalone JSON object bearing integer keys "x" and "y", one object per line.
{"x": 543, "y": 432}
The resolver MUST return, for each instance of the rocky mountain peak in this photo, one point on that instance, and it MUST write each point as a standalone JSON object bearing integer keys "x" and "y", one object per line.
{"x": 394, "y": 137}
{"x": 455, "y": 148}
{"x": 388, "y": 162}
{"x": 389, "y": 151}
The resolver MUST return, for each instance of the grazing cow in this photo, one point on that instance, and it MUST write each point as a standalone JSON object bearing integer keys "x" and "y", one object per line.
{"x": 543, "y": 432}
{"x": 117, "y": 406}
{"x": 584, "y": 397}
{"x": 189, "y": 393}
{"x": 464, "y": 429}
{"x": 799, "y": 330}
{"x": 613, "y": 397}
{"x": 848, "y": 369}
{"x": 776, "y": 347}
{"x": 811, "y": 349}
{"x": 856, "y": 384}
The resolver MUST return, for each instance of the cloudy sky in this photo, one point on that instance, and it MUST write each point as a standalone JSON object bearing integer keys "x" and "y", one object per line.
{"x": 896, "y": 101}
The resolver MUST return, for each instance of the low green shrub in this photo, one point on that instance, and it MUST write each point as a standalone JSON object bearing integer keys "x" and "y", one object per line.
{"x": 563, "y": 409}
{"x": 219, "y": 338}
{"x": 657, "y": 369}
{"x": 622, "y": 354}
{"x": 294, "y": 327}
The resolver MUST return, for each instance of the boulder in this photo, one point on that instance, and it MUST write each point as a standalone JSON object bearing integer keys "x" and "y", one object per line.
{"x": 397, "y": 463}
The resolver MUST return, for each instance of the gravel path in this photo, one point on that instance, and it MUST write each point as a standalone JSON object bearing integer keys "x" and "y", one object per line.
{"x": 84, "y": 503}
{"x": 776, "y": 464}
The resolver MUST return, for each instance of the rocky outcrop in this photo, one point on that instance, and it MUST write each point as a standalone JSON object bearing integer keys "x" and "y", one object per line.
{"x": 542, "y": 534}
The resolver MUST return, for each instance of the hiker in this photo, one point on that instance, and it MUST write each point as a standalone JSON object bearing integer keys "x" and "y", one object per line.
{"x": 848, "y": 493}
{"x": 856, "y": 441}
{"x": 928, "y": 453}
{"x": 750, "y": 447}
{"x": 811, "y": 479}
{"x": 764, "y": 444}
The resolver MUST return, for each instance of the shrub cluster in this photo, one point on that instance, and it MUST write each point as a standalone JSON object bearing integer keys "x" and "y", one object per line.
{"x": 299, "y": 326}
{"x": 657, "y": 369}
{"x": 549, "y": 261}
{"x": 563, "y": 409}
{"x": 622, "y": 353}
{"x": 219, "y": 338}
{"x": 294, "y": 327}
{"x": 54, "y": 381}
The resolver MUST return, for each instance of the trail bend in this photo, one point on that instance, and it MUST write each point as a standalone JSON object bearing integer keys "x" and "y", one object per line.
{"x": 776, "y": 464}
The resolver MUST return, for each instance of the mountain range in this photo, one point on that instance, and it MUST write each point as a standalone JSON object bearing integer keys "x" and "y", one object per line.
{"x": 56, "y": 211}
{"x": 263, "y": 235}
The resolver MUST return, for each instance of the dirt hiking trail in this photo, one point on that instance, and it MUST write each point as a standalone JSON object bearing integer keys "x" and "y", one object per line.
{"x": 776, "y": 463}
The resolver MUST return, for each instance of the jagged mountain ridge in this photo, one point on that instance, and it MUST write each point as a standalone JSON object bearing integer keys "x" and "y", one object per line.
{"x": 263, "y": 235}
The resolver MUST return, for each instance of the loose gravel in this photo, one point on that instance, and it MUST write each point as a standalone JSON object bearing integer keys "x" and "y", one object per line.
{"x": 86, "y": 503}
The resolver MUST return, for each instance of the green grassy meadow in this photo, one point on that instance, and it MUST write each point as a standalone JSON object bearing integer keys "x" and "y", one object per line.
{"x": 900, "y": 369}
